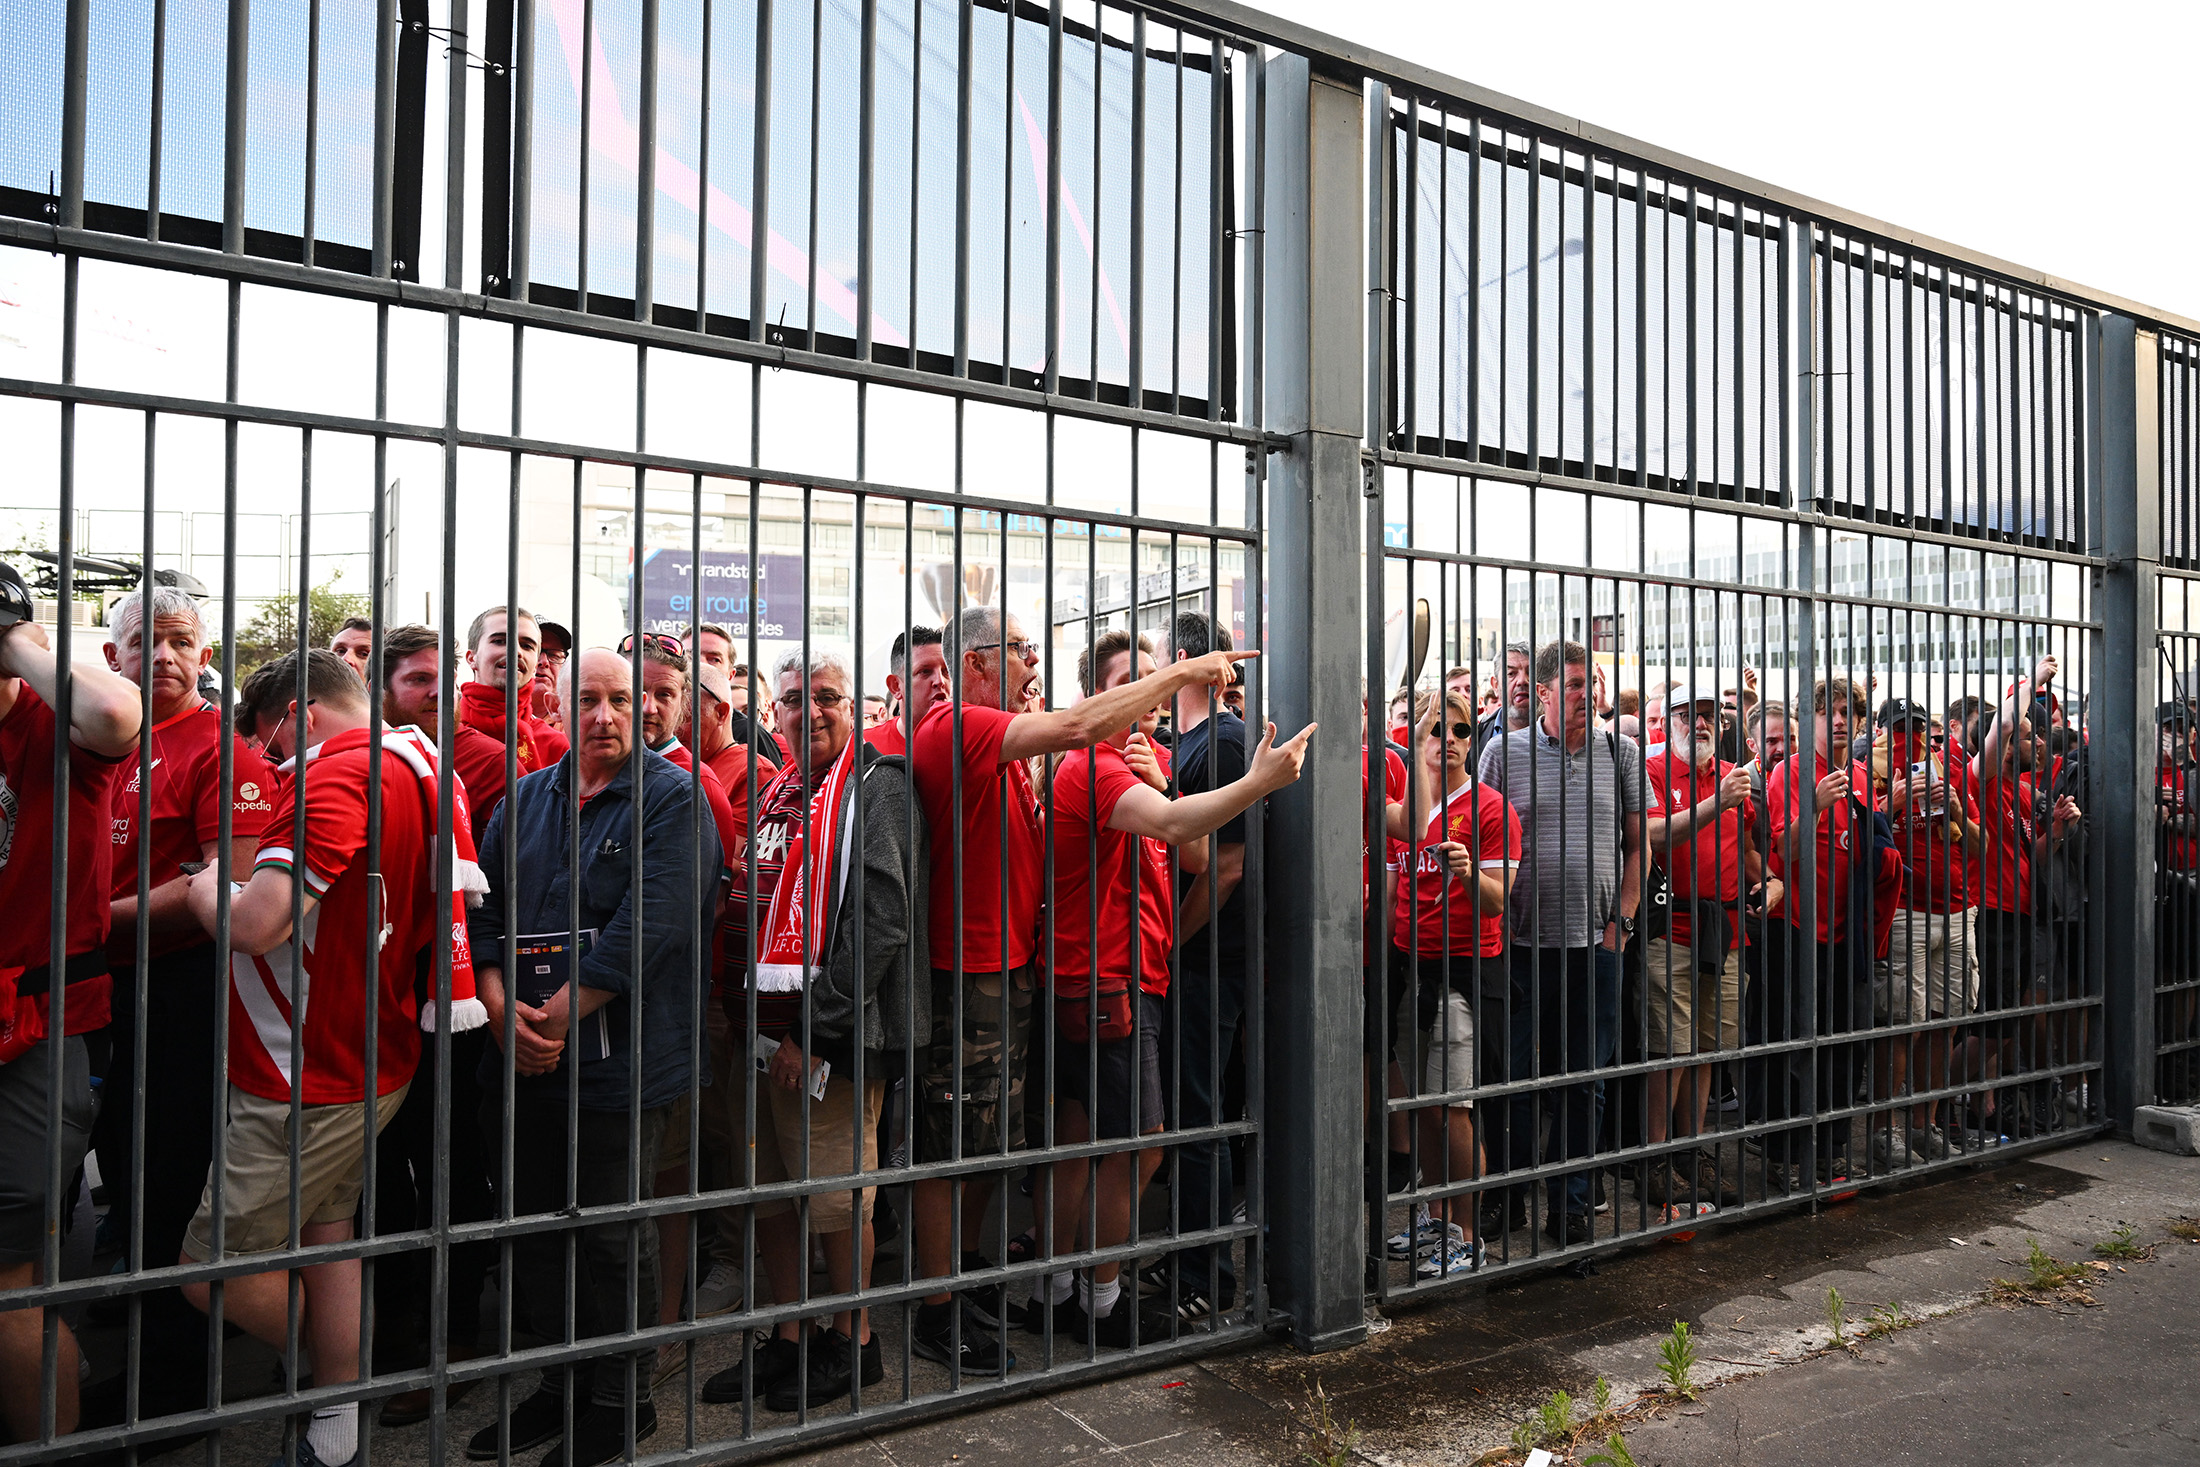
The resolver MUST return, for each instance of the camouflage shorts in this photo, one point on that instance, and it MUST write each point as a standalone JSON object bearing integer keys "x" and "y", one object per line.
{"x": 993, "y": 1047}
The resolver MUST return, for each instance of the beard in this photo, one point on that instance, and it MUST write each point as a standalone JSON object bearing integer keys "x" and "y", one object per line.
{"x": 1681, "y": 745}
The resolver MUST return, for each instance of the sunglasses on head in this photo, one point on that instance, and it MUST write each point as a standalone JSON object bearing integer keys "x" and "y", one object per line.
{"x": 658, "y": 640}
{"x": 1464, "y": 731}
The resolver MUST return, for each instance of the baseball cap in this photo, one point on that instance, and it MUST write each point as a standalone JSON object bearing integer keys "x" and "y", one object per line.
{"x": 549, "y": 629}
{"x": 1679, "y": 697}
{"x": 2172, "y": 712}
{"x": 1901, "y": 710}
{"x": 15, "y": 597}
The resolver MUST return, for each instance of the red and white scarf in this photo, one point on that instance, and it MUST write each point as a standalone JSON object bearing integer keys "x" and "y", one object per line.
{"x": 797, "y": 928}
{"x": 468, "y": 883}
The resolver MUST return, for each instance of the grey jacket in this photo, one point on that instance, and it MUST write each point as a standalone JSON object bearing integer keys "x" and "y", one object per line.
{"x": 874, "y": 986}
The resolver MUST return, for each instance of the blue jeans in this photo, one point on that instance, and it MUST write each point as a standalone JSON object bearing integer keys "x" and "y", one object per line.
{"x": 1565, "y": 1020}
{"x": 1206, "y": 1010}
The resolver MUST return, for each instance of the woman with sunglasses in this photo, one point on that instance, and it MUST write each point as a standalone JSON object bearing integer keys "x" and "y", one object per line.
{"x": 1462, "y": 843}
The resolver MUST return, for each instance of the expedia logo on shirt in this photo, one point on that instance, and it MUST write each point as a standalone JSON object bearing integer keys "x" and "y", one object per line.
{"x": 248, "y": 797}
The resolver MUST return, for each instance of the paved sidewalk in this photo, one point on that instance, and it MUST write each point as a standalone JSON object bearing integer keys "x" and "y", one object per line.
{"x": 1973, "y": 1382}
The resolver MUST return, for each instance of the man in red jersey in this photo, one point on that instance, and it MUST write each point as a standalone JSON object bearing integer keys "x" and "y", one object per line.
{"x": 1456, "y": 844}
{"x": 104, "y": 719}
{"x": 354, "y": 642}
{"x": 2010, "y": 775}
{"x": 1931, "y": 969}
{"x": 1837, "y": 999}
{"x": 1113, "y": 904}
{"x": 313, "y": 981}
{"x": 916, "y": 678}
{"x": 182, "y": 785}
{"x": 664, "y": 707}
{"x": 987, "y": 872}
{"x": 1698, "y": 821}
{"x": 499, "y": 656}
{"x": 412, "y": 677}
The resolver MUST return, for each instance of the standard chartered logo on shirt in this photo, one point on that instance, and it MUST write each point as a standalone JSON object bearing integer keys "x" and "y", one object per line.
{"x": 8, "y": 807}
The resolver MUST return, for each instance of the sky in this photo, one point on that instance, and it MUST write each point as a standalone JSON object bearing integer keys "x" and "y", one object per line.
{"x": 2045, "y": 135}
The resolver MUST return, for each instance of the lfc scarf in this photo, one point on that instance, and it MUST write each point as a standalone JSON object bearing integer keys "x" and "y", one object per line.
{"x": 468, "y": 884}
{"x": 797, "y": 929}
{"x": 482, "y": 707}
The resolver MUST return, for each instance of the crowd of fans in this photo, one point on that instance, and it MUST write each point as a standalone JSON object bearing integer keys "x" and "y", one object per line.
{"x": 891, "y": 899}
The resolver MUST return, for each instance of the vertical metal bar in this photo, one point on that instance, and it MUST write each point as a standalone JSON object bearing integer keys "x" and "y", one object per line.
{"x": 817, "y": 117}
{"x": 645, "y": 168}
{"x": 702, "y": 179}
{"x": 587, "y": 155}
{"x": 1315, "y": 299}
{"x": 156, "y": 107}
{"x": 1050, "y": 209}
{"x": 523, "y": 155}
{"x": 867, "y": 209}
{"x": 1137, "y": 368}
{"x": 236, "y": 103}
{"x": 385, "y": 162}
{"x": 760, "y": 190}
{"x": 313, "y": 127}
{"x": 75, "y": 85}
{"x": 966, "y": 46}
{"x": 2124, "y": 408}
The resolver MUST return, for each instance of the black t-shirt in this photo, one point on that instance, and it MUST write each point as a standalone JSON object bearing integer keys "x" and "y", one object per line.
{"x": 1207, "y": 758}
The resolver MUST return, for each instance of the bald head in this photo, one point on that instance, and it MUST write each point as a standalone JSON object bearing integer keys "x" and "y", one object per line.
{"x": 599, "y": 713}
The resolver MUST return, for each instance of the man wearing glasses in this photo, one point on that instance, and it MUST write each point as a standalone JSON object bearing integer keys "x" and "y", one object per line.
{"x": 988, "y": 867}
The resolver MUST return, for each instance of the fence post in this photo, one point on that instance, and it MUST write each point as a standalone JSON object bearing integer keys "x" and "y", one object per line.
{"x": 2126, "y": 405}
{"x": 1313, "y": 299}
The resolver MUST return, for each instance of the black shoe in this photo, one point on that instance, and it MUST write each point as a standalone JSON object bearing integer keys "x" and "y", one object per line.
{"x": 933, "y": 1334}
{"x": 771, "y": 1362}
{"x": 1569, "y": 1228}
{"x": 1506, "y": 1213}
{"x": 538, "y": 1419}
{"x": 1716, "y": 1183}
{"x": 1663, "y": 1186}
{"x": 990, "y": 1299}
{"x": 599, "y": 1436}
{"x": 831, "y": 1357}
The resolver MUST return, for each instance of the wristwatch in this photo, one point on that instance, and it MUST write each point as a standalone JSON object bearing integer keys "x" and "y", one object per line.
{"x": 1627, "y": 926}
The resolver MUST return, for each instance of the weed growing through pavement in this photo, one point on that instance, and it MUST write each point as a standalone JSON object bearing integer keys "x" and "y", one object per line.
{"x": 1615, "y": 1454}
{"x": 1837, "y": 1318}
{"x": 1332, "y": 1445}
{"x": 1555, "y": 1426}
{"x": 2187, "y": 1228}
{"x": 1677, "y": 1362}
{"x": 2120, "y": 1245}
{"x": 2046, "y": 1280}
{"x": 1884, "y": 1321}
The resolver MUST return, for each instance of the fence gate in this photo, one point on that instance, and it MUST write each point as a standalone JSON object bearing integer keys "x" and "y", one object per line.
{"x": 2175, "y": 725}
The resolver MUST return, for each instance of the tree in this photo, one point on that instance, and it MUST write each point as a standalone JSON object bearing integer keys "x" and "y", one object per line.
{"x": 273, "y": 631}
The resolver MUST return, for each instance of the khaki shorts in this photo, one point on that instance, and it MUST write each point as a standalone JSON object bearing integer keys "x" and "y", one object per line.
{"x": 732, "y": 1063}
{"x": 1931, "y": 969}
{"x": 332, "y": 1164}
{"x": 1706, "y": 1008}
{"x": 833, "y": 1137}
{"x": 1443, "y": 1050}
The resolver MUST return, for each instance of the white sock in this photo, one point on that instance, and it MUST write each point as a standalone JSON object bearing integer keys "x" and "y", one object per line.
{"x": 1061, "y": 1285}
{"x": 334, "y": 1434}
{"x": 1098, "y": 1299}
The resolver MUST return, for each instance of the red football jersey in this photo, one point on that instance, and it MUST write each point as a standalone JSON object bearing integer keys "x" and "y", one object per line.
{"x": 1837, "y": 837}
{"x": 1001, "y": 835}
{"x": 2009, "y": 811}
{"x": 187, "y": 811}
{"x": 1394, "y": 793}
{"x": 1095, "y": 863}
{"x": 1436, "y": 915}
{"x": 887, "y": 737}
{"x": 2182, "y": 851}
{"x": 321, "y": 970}
{"x": 26, "y": 858}
{"x": 1707, "y": 864}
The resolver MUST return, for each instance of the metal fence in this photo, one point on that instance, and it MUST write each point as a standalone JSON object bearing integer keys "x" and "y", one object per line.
{"x": 730, "y": 332}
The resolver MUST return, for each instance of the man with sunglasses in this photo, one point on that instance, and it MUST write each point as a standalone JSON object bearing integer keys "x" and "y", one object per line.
{"x": 988, "y": 860}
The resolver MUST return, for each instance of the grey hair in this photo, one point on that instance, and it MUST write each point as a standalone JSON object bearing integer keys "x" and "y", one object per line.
{"x": 126, "y": 615}
{"x": 831, "y": 662}
{"x": 977, "y": 627}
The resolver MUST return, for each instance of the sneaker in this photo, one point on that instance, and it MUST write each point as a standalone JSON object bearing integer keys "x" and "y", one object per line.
{"x": 833, "y": 1358}
{"x": 1112, "y": 1331}
{"x": 671, "y": 1360}
{"x": 1929, "y": 1143}
{"x": 1459, "y": 1255}
{"x": 1507, "y": 1212}
{"x": 1663, "y": 1185}
{"x": 1716, "y": 1184}
{"x": 538, "y": 1419}
{"x": 1602, "y": 1199}
{"x": 769, "y": 1363}
{"x": 990, "y": 1300}
{"x": 1157, "y": 1277}
{"x": 600, "y": 1436}
{"x": 1569, "y": 1228}
{"x": 1891, "y": 1151}
{"x": 719, "y": 1291}
{"x": 1193, "y": 1306}
{"x": 978, "y": 1351}
{"x": 1426, "y": 1233}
